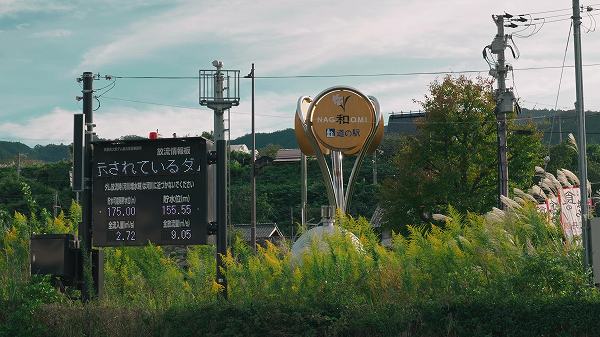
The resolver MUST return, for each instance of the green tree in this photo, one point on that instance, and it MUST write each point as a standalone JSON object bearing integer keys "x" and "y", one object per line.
{"x": 270, "y": 150}
{"x": 208, "y": 135}
{"x": 562, "y": 156}
{"x": 453, "y": 158}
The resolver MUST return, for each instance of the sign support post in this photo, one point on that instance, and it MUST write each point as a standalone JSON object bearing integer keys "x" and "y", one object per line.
{"x": 253, "y": 174}
{"x": 219, "y": 92}
{"x": 581, "y": 141}
{"x": 85, "y": 231}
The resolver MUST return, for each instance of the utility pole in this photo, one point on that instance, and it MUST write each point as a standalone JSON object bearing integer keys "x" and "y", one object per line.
{"x": 303, "y": 189}
{"x": 220, "y": 139}
{"x": 55, "y": 207}
{"x": 579, "y": 108}
{"x": 375, "y": 168}
{"x": 85, "y": 233}
{"x": 504, "y": 103}
{"x": 19, "y": 164}
{"x": 560, "y": 139}
{"x": 220, "y": 96}
{"x": 253, "y": 178}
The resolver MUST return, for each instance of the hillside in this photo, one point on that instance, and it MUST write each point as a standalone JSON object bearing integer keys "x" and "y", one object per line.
{"x": 554, "y": 123}
{"x": 284, "y": 138}
{"x": 46, "y": 153}
{"x": 565, "y": 122}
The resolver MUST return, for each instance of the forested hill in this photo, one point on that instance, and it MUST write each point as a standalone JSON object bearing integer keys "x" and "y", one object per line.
{"x": 47, "y": 153}
{"x": 554, "y": 123}
{"x": 284, "y": 138}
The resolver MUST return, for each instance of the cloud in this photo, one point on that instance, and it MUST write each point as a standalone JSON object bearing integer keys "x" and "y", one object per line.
{"x": 287, "y": 36}
{"x": 53, "y": 127}
{"x": 273, "y": 112}
{"x": 55, "y": 33}
{"x": 115, "y": 122}
{"x": 13, "y": 7}
{"x": 57, "y": 125}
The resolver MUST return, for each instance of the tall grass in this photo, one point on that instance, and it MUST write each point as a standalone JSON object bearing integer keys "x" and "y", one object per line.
{"x": 420, "y": 285}
{"x": 520, "y": 255}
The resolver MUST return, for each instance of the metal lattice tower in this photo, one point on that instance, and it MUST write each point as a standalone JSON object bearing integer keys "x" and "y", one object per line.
{"x": 219, "y": 91}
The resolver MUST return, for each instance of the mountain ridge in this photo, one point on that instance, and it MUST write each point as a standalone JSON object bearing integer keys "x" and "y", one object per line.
{"x": 552, "y": 123}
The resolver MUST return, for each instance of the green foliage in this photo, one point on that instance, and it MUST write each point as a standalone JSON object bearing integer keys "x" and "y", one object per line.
{"x": 508, "y": 276}
{"x": 14, "y": 266}
{"x": 12, "y": 198}
{"x": 469, "y": 275}
{"x": 20, "y": 295}
{"x": 146, "y": 277}
{"x": 75, "y": 213}
{"x": 453, "y": 158}
{"x": 18, "y": 315}
{"x": 470, "y": 257}
{"x": 208, "y": 135}
{"x": 270, "y": 150}
{"x": 43, "y": 183}
{"x": 475, "y": 275}
{"x": 548, "y": 122}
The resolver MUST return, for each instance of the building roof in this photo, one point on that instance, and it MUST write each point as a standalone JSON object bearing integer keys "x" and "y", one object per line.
{"x": 263, "y": 231}
{"x": 287, "y": 155}
{"x": 239, "y": 148}
{"x": 404, "y": 123}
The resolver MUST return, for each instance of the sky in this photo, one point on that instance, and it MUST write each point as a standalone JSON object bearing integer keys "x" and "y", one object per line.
{"x": 46, "y": 45}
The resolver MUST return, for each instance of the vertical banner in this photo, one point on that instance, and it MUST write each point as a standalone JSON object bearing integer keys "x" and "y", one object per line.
{"x": 550, "y": 207}
{"x": 543, "y": 209}
{"x": 570, "y": 211}
{"x": 553, "y": 205}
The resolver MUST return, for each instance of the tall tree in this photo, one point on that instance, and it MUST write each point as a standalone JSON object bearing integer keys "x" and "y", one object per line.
{"x": 453, "y": 158}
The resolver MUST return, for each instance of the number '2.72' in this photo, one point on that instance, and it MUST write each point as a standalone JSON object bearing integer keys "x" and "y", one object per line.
{"x": 125, "y": 235}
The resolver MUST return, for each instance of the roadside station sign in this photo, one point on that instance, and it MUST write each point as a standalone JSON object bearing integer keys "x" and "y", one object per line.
{"x": 149, "y": 191}
{"x": 342, "y": 119}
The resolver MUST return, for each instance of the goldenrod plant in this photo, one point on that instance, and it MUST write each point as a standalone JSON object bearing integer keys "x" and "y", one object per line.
{"x": 501, "y": 273}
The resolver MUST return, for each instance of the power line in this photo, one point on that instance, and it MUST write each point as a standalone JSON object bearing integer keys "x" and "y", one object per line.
{"x": 182, "y": 106}
{"x": 548, "y": 11}
{"x": 565, "y": 108}
{"x": 560, "y": 82}
{"x": 151, "y": 103}
{"x": 279, "y": 116}
{"x": 528, "y": 118}
{"x": 448, "y": 72}
{"x": 159, "y": 77}
{"x": 567, "y": 132}
{"x": 527, "y": 20}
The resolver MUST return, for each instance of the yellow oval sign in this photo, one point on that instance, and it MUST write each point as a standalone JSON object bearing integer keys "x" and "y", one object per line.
{"x": 301, "y": 138}
{"x": 342, "y": 119}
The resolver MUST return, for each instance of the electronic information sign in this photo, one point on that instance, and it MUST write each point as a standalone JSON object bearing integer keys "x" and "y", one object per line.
{"x": 149, "y": 191}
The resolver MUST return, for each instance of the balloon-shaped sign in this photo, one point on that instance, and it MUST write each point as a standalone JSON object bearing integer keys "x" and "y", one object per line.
{"x": 339, "y": 121}
{"x": 342, "y": 119}
{"x": 301, "y": 138}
